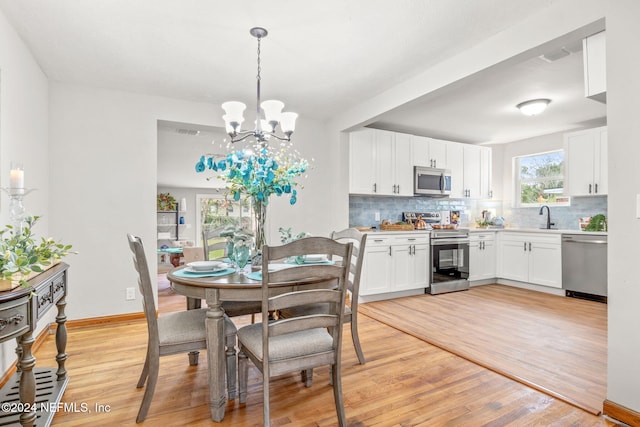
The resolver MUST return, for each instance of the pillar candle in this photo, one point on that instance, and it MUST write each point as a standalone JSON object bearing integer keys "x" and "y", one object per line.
{"x": 16, "y": 179}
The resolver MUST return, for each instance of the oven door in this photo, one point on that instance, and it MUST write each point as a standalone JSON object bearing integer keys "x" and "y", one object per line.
{"x": 449, "y": 265}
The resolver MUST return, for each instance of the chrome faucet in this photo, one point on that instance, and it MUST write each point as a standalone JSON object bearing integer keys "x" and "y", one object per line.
{"x": 549, "y": 223}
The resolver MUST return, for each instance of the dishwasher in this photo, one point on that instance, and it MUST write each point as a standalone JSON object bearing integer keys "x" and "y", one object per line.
{"x": 584, "y": 266}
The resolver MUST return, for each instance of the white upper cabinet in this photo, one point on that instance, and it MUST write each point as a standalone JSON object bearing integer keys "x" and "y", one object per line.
{"x": 429, "y": 152}
{"x": 595, "y": 73}
{"x": 586, "y": 168}
{"x": 380, "y": 163}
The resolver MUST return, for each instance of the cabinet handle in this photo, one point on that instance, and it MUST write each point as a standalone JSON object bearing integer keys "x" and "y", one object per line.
{"x": 435, "y": 163}
{"x": 589, "y": 188}
{"x": 596, "y": 188}
{"x": 431, "y": 162}
{"x": 375, "y": 187}
{"x": 389, "y": 250}
{"x": 482, "y": 245}
{"x": 491, "y": 194}
{"x": 525, "y": 246}
{"x": 529, "y": 246}
{"x": 378, "y": 240}
{"x": 398, "y": 189}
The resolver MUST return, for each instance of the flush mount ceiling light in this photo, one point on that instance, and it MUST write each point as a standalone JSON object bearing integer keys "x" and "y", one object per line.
{"x": 533, "y": 107}
{"x": 273, "y": 116}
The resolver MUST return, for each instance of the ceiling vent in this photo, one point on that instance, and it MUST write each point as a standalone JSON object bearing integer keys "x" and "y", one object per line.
{"x": 191, "y": 132}
{"x": 555, "y": 55}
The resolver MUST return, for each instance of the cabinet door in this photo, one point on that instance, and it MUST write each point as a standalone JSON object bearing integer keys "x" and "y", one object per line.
{"x": 471, "y": 175}
{"x": 580, "y": 159}
{"x": 438, "y": 153}
{"x": 601, "y": 164}
{"x": 545, "y": 265}
{"x": 486, "y": 191}
{"x": 361, "y": 162}
{"x": 420, "y": 148}
{"x": 403, "y": 167}
{"x": 419, "y": 266}
{"x": 385, "y": 163}
{"x": 402, "y": 266}
{"x": 476, "y": 268}
{"x": 376, "y": 271}
{"x": 455, "y": 163}
{"x": 595, "y": 74}
{"x": 514, "y": 260}
{"x": 488, "y": 259}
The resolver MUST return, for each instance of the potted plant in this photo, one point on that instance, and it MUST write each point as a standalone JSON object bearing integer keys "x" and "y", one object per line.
{"x": 23, "y": 256}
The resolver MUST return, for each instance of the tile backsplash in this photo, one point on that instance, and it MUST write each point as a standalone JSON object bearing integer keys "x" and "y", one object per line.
{"x": 362, "y": 210}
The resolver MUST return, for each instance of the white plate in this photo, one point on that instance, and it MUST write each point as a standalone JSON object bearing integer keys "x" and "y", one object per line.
{"x": 211, "y": 270}
{"x": 206, "y": 266}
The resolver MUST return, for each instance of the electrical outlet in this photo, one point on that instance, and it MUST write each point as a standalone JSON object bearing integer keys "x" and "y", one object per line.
{"x": 131, "y": 294}
{"x": 377, "y": 215}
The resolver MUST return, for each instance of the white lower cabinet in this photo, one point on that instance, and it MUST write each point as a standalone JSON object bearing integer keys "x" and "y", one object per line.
{"x": 395, "y": 262}
{"x": 530, "y": 257}
{"x": 482, "y": 256}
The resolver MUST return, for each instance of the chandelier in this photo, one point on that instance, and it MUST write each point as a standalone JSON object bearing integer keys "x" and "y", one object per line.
{"x": 266, "y": 126}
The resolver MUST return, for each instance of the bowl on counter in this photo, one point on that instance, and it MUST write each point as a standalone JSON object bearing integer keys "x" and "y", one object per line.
{"x": 444, "y": 226}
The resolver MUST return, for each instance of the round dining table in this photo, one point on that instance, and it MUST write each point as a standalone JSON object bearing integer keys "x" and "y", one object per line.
{"x": 228, "y": 287}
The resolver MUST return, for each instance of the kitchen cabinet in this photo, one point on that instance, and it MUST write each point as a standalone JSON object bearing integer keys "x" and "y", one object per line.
{"x": 429, "y": 152}
{"x": 470, "y": 167}
{"x": 395, "y": 262}
{"x": 586, "y": 162}
{"x": 530, "y": 257}
{"x": 380, "y": 163}
{"x": 595, "y": 67}
{"x": 482, "y": 255}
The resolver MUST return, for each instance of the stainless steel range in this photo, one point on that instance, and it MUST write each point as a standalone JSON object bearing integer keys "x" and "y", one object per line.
{"x": 449, "y": 261}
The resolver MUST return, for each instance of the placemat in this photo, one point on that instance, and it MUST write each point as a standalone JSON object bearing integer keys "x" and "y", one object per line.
{"x": 184, "y": 273}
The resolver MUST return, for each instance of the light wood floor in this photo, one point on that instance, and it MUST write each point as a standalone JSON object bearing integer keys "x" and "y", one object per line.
{"x": 405, "y": 382}
{"x": 555, "y": 344}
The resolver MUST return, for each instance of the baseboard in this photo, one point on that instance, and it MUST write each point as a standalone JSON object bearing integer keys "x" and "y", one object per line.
{"x": 92, "y": 321}
{"x": 621, "y": 413}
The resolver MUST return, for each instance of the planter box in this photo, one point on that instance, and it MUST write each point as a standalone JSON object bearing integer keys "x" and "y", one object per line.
{"x": 7, "y": 285}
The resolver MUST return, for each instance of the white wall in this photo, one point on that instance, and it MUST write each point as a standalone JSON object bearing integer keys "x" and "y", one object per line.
{"x": 623, "y": 109}
{"x": 23, "y": 137}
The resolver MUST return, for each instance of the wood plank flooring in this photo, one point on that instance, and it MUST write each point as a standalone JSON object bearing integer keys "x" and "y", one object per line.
{"x": 405, "y": 382}
{"x": 555, "y": 344}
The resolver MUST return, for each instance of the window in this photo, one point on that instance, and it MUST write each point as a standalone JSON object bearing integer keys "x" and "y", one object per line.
{"x": 540, "y": 179}
{"x": 214, "y": 211}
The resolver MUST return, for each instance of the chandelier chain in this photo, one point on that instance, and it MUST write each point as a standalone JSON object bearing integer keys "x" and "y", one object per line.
{"x": 259, "y": 69}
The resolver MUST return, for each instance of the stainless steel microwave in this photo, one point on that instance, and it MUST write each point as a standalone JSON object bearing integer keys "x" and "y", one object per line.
{"x": 431, "y": 181}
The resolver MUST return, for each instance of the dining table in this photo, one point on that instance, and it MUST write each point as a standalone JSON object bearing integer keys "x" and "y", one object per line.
{"x": 214, "y": 288}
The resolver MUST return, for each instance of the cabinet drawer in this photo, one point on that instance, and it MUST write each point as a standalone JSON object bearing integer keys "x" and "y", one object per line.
{"x": 14, "y": 318}
{"x": 59, "y": 288}
{"x": 44, "y": 299}
{"x": 378, "y": 240}
{"x": 412, "y": 239}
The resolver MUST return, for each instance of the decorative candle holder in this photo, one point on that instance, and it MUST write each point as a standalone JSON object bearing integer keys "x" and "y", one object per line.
{"x": 17, "y": 211}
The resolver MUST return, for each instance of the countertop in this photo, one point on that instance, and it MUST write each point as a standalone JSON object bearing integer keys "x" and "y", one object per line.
{"x": 507, "y": 229}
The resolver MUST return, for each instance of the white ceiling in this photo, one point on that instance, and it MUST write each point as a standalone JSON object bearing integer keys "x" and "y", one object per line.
{"x": 320, "y": 57}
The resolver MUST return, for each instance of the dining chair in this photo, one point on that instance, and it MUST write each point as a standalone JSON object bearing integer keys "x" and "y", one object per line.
{"x": 193, "y": 253}
{"x": 359, "y": 241}
{"x": 300, "y": 342}
{"x": 211, "y": 243}
{"x": 173, "y": 333}
{"x": 214, "y": 245}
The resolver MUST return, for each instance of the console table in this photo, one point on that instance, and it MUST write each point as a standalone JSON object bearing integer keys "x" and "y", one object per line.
{"x": 32, "y": 396}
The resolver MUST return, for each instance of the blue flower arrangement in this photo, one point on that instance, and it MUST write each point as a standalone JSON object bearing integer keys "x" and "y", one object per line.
{"x": 258, "y": 173}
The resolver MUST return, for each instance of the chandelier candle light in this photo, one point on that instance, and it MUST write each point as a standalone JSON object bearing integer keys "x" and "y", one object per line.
{"x": 273, "y": 116}
{"x": 16, "y": 192}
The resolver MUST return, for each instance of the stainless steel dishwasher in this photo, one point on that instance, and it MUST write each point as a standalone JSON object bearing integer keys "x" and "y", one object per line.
{"x": 584, "y": 266}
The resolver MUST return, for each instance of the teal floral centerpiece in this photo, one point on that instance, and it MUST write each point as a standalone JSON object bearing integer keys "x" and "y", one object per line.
{"x": 257, "y": 174}
{"x": 24, "y": 256}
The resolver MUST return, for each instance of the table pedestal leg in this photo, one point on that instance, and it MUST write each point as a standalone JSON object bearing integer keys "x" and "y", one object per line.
{"x": 216, "y": 355}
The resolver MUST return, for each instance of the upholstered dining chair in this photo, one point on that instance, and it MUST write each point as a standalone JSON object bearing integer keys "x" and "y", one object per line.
{"x": 173, "y": 333}
{"x": 193, "y": 253}
{"x": 359, "y": 241}
{"x": 299, "y": 342}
